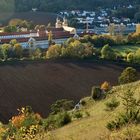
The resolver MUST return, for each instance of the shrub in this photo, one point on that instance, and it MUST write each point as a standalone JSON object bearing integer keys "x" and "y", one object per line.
{"x": 62, "y": 106}
{"x": 131, "y": 114}
{"x": 128, "y": 75}
{"x": 62, "y": 119}
{"x": 23, "y": 126}
{"x": 96, "y": 93}
{"x": 112, "y": 104}
{"x": 56, "y": 121}
{"x": 77, "y": 115}
{"x": 83, "y": 102}
{"x": 105, "y": 86}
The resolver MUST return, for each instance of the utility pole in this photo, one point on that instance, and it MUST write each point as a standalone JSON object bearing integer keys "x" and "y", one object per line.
{"x": 87, "y": 25}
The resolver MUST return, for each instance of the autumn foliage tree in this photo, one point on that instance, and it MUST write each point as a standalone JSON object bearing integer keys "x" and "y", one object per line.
{"x": 53, "y": 52}
{"x": 105, "y": 86}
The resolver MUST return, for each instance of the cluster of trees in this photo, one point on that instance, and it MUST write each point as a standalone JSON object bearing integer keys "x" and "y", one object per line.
{"x": 71, "y": 49}
{"x": 14, "y": 50}
{"x": 85, "y": 47}
{"x": 15, "y": 25}
{"x": 11, "y": 50}
{"x": 133, "y": 38}
{"x": 99, "y": 40}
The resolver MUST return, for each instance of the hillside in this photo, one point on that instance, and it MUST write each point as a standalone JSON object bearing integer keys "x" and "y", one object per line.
{"x": 39, "y": 84}
{"x": 57, "y": 5}
{"x": 94, "y": 126}
{"x": 7, "y": 8}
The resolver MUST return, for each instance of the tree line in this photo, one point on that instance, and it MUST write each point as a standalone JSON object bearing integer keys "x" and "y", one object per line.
{"x": 58, "y": 5}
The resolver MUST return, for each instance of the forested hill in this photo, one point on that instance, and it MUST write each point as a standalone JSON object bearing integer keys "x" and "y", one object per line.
{"x": 7, "y": 5}
{"x": 57, "y": 5}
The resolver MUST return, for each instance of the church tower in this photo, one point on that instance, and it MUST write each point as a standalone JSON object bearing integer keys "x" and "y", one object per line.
{"x": 65, "y": 22}
{"x": 58, "y": 23}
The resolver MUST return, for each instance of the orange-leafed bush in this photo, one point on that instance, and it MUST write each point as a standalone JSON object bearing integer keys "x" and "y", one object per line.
{"x": 17, "y": 120}
{"x": 105, "y": 86}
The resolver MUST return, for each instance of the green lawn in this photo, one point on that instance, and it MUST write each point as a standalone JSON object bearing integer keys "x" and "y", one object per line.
{"x": 125, "y": 48}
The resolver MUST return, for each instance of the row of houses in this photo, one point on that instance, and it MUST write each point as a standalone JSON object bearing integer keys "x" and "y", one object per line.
{"x": 100, "y": 18}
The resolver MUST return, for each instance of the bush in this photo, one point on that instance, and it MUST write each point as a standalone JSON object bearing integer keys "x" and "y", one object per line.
{"x": 83, "y": 102}
{"x": 128, "y": 75}
{"x": 56, "y": 121}
{"x": 108, "y": 53}
{"x": 105, "y": 86}
{"x": 122, "y": 120}
{"x": 112, "y": 104}
{"x": 25, "y": 125}
{"x": 77, "y": 115}
{"x": 62, "y": 106}
{"x": 62, "y": 119}
{"x": 96, "y": 93}
{"x": 131, "y": 114}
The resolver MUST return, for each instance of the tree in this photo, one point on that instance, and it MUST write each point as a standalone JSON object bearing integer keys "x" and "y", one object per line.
{"x": 105, "y": 86}
{"x": 10, "y": 29}
{"x": 18, "y": 50}
{"x": 130, "y": 103}
{"x": 96, "y": 93}
{"x": 108, "y": 53}
{"x": 130, "y": 57}
{"x": 13, "y": 42}
{"x": 53, "y": 52}
{"x": 131, "y": 112}
{"x": 50, "y": 37}
{"x": 15, "y": 22}
{"x": 6, "y": 49}
{"x": 76, "y": 49}
{"x": 136, "y": 56}
{"x": 37, "y": 53}
{"x": 128, "y": 75}
{"x": 101, "y": 40}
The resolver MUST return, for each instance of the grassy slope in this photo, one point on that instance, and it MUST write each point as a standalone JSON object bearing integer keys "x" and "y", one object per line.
{"x": 93, "y": 127}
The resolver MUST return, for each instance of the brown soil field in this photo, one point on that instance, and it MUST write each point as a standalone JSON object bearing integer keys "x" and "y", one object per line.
{"x": 39, "y": 84}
